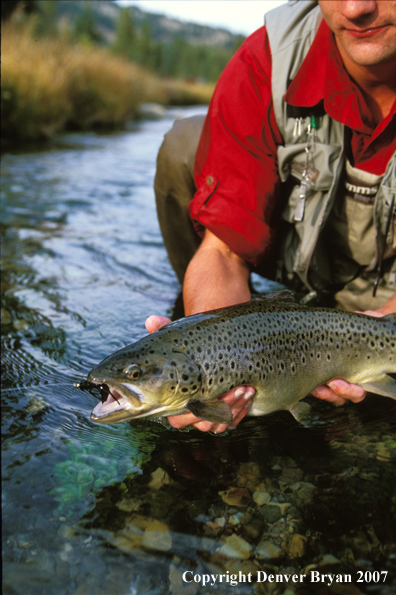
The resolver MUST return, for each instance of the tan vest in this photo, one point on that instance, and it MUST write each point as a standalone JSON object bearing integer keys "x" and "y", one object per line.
{"x": 305, "y": 257}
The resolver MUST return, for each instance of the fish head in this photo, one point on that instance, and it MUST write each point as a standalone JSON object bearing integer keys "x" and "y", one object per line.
{"x": 144, "y": 381}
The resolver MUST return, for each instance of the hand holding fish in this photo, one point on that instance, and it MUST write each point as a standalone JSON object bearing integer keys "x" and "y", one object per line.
{"x": 201, "y": 364}
{"x": 337, "y": 391}
{"x": 239, "y": 399}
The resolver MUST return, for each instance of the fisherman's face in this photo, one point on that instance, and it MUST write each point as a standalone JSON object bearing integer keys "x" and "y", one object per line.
{"x": 365, "y": 30}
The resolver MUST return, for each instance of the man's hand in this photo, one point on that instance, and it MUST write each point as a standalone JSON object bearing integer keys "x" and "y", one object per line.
{"x": 239, "y": 399}
{"x": 339, "y": 391}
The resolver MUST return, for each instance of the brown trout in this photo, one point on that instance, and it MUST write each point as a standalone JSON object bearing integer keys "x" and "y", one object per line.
{"x": 281, "y": 348}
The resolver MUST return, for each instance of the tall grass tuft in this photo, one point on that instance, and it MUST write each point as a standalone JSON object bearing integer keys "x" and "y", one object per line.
{"x": 50, "y": 85}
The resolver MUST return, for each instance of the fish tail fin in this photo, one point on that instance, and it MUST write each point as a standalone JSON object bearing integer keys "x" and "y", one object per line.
{"x": 383, "y": 385}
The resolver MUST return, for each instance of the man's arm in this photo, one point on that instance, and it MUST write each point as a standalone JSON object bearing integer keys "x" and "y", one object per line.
{"x": 215, "y": 277}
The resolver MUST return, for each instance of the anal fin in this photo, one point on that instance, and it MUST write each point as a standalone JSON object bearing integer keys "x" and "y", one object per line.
{"x": 214, "y": 411}
{"x": 383, "y": 385}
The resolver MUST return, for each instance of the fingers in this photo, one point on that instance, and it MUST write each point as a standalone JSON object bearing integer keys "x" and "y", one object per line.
{"x": 339, "y": 391}
{"x": 154, "y": 323}
{"x": 240, "y": 401}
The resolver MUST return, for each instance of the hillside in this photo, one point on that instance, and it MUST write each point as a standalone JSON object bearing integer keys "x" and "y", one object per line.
{"x": 165, "y": 46}
{"x": 163, "y": 29}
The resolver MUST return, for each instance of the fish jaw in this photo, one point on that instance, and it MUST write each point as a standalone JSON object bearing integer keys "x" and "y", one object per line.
{"x": 126, "y": 402}
{"x": 122, "y": 402}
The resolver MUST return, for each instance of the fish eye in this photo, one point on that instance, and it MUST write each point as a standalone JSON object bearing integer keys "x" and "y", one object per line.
{"x": 133, "y": 371}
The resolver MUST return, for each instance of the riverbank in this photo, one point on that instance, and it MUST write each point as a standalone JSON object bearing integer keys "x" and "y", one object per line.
{"x": 50, "y": 85}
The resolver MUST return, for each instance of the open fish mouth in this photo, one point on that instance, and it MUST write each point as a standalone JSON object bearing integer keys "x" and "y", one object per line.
{"x": 118, "y": 401}
{"x": 114, "y": 403}
{"x": 121, "y": 402}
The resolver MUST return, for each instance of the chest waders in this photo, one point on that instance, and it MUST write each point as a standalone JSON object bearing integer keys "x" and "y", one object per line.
{"x": 303, "y": 257}
{"x": 312, "y": 172}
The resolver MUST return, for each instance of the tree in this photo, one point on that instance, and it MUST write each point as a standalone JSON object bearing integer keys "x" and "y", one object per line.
{"x": 85, "y": 28}
{"x": 125, "y": 33}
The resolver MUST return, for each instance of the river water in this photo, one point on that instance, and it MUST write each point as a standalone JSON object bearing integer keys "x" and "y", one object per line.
{"x": 138, "y": 508}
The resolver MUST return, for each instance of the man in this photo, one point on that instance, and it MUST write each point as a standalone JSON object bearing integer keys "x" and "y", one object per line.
{"x": 294, "y": 173}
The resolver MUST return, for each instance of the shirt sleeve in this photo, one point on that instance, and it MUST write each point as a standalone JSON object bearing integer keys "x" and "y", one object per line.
{"x": 236, "y": 168}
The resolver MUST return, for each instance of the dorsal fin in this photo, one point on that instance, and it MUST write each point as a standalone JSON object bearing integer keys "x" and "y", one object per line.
{"x": 283, "y": 295}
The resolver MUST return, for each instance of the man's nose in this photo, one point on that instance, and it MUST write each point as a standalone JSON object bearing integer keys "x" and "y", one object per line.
{"x": 355, "y": 9}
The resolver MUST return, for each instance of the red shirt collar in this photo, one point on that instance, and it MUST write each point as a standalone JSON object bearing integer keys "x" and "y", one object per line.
{"x": 322, "y": 77}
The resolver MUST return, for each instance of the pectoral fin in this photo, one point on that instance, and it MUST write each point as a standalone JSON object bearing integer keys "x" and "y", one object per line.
{"x": 384, "y": 385}
{"x": 301, "y": 412}
{"x": 214, "y": 411}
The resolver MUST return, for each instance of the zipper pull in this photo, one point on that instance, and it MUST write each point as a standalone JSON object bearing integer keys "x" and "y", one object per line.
{"x": 297, "y": 127}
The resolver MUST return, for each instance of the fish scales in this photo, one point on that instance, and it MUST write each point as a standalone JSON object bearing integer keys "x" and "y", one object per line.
{"x": 282, "y": 349}
{"x": 258, "y": 348}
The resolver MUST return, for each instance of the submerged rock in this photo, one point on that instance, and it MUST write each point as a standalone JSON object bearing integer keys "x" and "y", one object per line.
{"x": 296, "y": 546}
{"x": 235, "y": 547}
{"x": 159, "y": 478}
{"x": 267, "y": 550}
{"x": 236, "y": 497}
{"x": 261, "y": 498}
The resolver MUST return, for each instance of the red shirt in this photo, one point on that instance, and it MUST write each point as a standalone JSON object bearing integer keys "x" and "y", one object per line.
{"x": 236, "y": 168}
